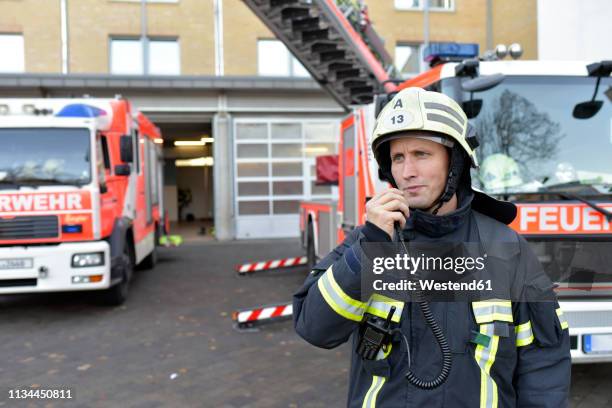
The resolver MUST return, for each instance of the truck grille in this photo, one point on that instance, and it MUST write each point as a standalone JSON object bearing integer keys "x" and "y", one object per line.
{"x": 577, "y": 262}
{"x": 590, "y": 318}
{"x": 29, "y": 227}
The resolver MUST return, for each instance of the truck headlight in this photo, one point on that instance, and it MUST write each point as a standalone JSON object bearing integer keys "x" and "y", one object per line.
{"x": 88, "y": 259}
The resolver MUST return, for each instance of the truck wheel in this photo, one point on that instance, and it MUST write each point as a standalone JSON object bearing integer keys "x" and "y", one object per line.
{"x": 117, "y": 294}
{"x": 310, "y": 248}
{"x": 151, "y": 260}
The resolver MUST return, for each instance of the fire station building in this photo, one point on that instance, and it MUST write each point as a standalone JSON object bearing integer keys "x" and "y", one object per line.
{"x": 241, "y": 118}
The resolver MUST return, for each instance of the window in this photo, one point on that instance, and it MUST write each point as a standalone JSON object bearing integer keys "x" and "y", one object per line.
{"x": 436, "y": 5}
{"x": 11, "y": 49}
{"x": 153, "y": 167}
{"x": 39, "y": 154}
{"x": 136, "y": 148}
{"x": 105, "y": 152}
{"x": 100, "y": 165}
{"x": 164, "y": 57}
{"x": 275, "y": 161}
{"x": 146, "y": 1}
{"x": 408, "y": 59}
{"x": 127, "y": 57}
{"x": 274, "y": 59}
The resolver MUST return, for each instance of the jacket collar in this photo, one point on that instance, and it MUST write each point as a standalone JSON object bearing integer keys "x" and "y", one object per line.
{"x": 440, "y": 225}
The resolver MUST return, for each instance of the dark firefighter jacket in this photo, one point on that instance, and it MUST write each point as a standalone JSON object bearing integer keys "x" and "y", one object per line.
{"x": 526, "y": 363}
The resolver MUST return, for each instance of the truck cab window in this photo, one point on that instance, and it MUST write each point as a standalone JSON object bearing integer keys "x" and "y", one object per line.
{"x": 105, "y": 152}
{"x": 136, "y": 162}
{"x": 100, "y": 163}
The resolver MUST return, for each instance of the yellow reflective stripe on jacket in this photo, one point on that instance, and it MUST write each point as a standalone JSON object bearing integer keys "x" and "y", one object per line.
{"x": 354, "y": 309}
{"x": 562, "y": 319}
{"x": 489, "y": 310}
{"x": 524, "y": 334}
{"x": 485, "y": 357}
{"x": 339, "y": 301}
{"x": 382, "y": 354}
{"x": 369, "y": 401}
{"x": 380, "y": 306}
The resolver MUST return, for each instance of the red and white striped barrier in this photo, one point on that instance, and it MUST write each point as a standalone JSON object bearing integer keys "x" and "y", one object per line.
{"x": 263, "y": 314}
{"x": 274, "y": 264}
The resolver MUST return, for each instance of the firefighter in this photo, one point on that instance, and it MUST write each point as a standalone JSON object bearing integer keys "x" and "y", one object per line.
{"x": 504, "y": 352}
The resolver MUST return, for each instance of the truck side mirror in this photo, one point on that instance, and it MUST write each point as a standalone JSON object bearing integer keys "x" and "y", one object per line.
{"x": 126, "y": 149}
{"x": 482, "y": 83}
{"x": 472, "y": 108}
{"x": 122, "y": 170}
{"x": 587, "y": 110}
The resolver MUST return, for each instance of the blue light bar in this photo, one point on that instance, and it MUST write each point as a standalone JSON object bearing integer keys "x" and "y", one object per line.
{"x": 454, "y": 51}
{"x": 80, "y": 110}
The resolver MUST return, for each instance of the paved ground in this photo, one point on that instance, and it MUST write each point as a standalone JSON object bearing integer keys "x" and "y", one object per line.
{"x": 173, "y": 345}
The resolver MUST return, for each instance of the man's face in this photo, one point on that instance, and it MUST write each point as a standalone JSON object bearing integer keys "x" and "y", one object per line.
{"x": 420, "y": 169}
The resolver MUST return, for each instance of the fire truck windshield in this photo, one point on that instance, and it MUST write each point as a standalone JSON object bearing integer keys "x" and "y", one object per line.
{"x": 529, "y": 140}
{"x": 42, "y": 156}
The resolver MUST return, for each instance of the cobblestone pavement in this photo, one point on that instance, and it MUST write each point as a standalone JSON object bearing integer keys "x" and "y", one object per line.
{"x": 173, "y": 345}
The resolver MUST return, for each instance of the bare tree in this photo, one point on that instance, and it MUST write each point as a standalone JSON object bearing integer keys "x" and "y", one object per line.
{"x": 512, "y": 125}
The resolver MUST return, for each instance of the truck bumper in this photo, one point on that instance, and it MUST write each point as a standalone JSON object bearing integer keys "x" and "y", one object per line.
{"x": 48, "y": 268}
{"x": 588, "y": 318}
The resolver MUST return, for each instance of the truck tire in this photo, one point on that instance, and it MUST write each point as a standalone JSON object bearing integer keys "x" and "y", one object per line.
{"x": 117, "y": 294}
{"x": 150, "y": 260}
{"x": 311, "y": 256}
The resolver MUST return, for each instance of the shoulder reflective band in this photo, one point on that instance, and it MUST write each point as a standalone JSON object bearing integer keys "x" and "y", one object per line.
{"x": 339, "y": 301}
{"x": 369, "y": 401}
{"x": 489, "y": 310}
{"x": 485, "y": 357}
{"x": 562, "y": 320}
{"x": 380, "y": 306}
{"x": 524, "y": 334}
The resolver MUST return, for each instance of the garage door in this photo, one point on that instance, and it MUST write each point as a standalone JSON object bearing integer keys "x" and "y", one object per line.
{"x": 275, "y": 170}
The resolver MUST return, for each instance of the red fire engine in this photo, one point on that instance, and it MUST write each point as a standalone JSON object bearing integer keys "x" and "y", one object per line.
{"x": 563, "y": 190}
{"x": 544, "y": 146}
{"x": 80, "y": 195}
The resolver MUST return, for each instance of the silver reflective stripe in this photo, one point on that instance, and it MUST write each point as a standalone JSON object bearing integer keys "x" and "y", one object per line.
{"x": 444, "y": 108}
{"x": 447, "y": 121}
{"x": 381, "y": 306}
{"x": 524, "y": 334}
{"x": 488, "y": 311}
{"x": 485, "y": 356}
{"x": 370, "y": 398}
{"x": 338, "y": 300}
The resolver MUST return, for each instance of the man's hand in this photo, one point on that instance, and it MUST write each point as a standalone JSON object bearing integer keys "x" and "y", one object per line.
{"x": 386, "y": 208}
